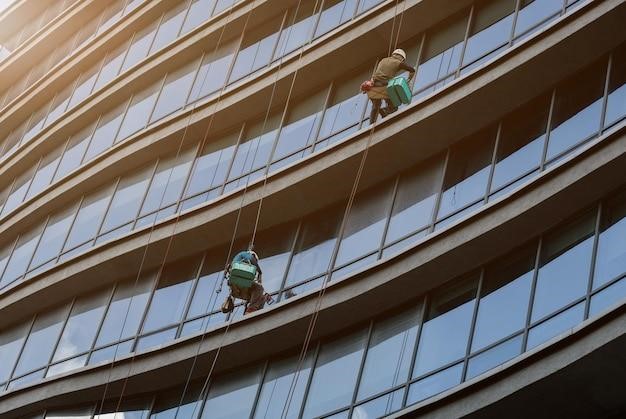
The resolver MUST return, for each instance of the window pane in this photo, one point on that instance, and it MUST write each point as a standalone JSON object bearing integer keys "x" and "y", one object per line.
{"x": 170, "y": 26}
{"x": 274, "y": 249}
{"x": 335, "y": 374}
{"x": 467, "y": 172}
{"x": 111, "y": 15}
{"x": 20, "y": 187}
{"x": 521, "y": 143}
{"x": 256, "y": 49}
{"x": 616, "y": 105}
{"x": 11, "y": 341}
{"x": 315, "y": 245}
{"x": 41, "y": 341}
{"x": 85, "y": 85}
{"x": 505, "y": 294}
{"x": 82, "y": 326}
{"x": 564, "y": 266}
{"x": 206, "y": 299}
{"x": 389, "y": 354}
{"x": 168, "y": 181}
{"x": 112, "y": 66}
{"x": 21, "y": 255}
{"x": 493, "y": 357}
{"x": 299, "y": 28}
{"x": 175, "y": 90}
{"x": 231, "y": 396}
{"x": 139, "y": 47}
{"x": 334, "y": 13}
{"x": 129, "y": 409}
{"x": 199, "y": 11}
{"x": 36, "y": 123}
{"x": 555, "y": 325}
{"x": 105, "y": 133}
{"x": 60, "y": 103}
{"x": 127, "y": 199}
{"x": 449, "y": 309}
{"x": 608, "y": 297}
{"x": 381, "y": 406}
{"x": 73, "y": 154}
{"x": 213, "y": 70}
{"x": 139, "y": 111}
{"x": 53, "y": 236}
{"x": 435, "y": 384}
{"x": 611, "y": 256}
{"x": 491, "y": 29}
{"x": 366, "y": 223}
{"x": 83, "y": 413}
{"x": 577, "y": 110}
{"x": 172, "y": 294}
{"x": 45, "y": 171}
{"x": 534, "y": 12}
{"x": 88, "y": 218}
{"x": 279, "y": 381}
{"x": 126, "y": 310}
{"x": 211, "y": 166}
{"x": 415, "y": 199}
{"x": 13, "y": 139}
{"x": 442, "y": 52}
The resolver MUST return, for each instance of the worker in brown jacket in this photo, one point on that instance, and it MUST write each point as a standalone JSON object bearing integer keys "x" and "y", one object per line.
{"x": 387, "y": 69}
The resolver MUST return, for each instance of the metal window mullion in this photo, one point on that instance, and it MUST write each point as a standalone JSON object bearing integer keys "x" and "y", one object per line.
{"x": 156, "y": 100}
{"x": 182, "y": 25}
{"x": 124, "y": 115}
{"x": 548, "y": 130}
{"x": 281, "y": 125}
{"x": 493, "y": 161}
{"x": 45, "y": 118}
{"x": 361, "y": 366}
{"x": 192, "y": 291}
{"x": 420, "y": 326}
{"x": 58, "y": 341}
{"x": 106, "y": 211}
{"x": 101, "y": 324}
{"x": 468, "y": 351}
{"x": 232, "y": 160}
{"x": 32, "y": 256}
{"x": 258, "y": 391}
{"x": 196, "y": 76}
{"x": 394, "y": 196}
{"x": 56, "y": 169}
{"x": 146, "y": 310}
{"x": 296, "y": 236}
{"x": 30, "y": 183}
{"x": 594, "y": 254}
{"x": 275, "y": 49}
{"x": 322, "y": 113}
{"x": 9, "y": 189}
{"x": 69, "y": 230}
{"x": 470, "y": 23}
{"x": 181, "y": 195}
{"x": 532, "y": 294}
{"x": 437, "y": 205}
{"x": 232, "y": 63}
{"x": 307, "y": 388}
{"x": 317, "y": 21}
{"x": 564, "y": 8}
{"x": 605, "y": 100}
{"x": 518, "y": 7}
{"x": 420, "y": 53}
{"x": 88, "y": 139}
{"x": 145, "y": 194}
{"x": 21, "y": 351}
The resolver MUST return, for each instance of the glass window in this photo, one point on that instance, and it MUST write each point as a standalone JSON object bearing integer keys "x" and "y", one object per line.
{"x": 172, "y": 294}
{"x": 213, "y": 70}
{"x": 130, "y": 409}
{"x": 389, "y": 354}
{"x": 434, "y": 384}
{"x": 170, "y": 406}
{"x": 21, "y": 256}
{"x": 112, "y": 65}
{"x": 88, "y": 219}
{"x": 138, "y": 112}
{"x": 577, "y": 109}
{"x": 138, "y": 49}
{"x": 503, "y": 304}
{"x": 533, "y": 13}
{"x": 334, "y": 13}
{"x": 61, "y": 100}
{"x": 254, "y": 150}
{"x": 556, "y": 325}
{"x": 231, "y": 396}
{"x": 53, "y": 237}
{"x": 85, "y": 85}
{"x": 127, "y": 199}
{"x": 222, "y": 5}
{"x": 415, "y": 199}
{"x": 277, "y": 385}
{"x": 365, "y": 5}
{"x": 450, "y": 309}
{"x": 206, "y": 299}
{"x": 83, "y": 413}
{"x": 82, "y": 325}
{"x": 609, "y": 297}
{"x": 18, "y": 192}
{"x": 125, "y": 312}
{"x": 168, "y": 181}
{"x": 521, "y": 143}
{"x": 11, "y": 341}
{"x": 199, "y": 11}
{"x": 300, "y": 126}
{"x": 74, "y": 152}
{"x": 175, "y": 90}
{"x": 41, "y": 340}
{"x": 170, "y": 26}
{"x": 274, "y": 248}
{"x": 611, "y": 253}
{"x": 335, "y": 374}
{"x": 299, "y": 32}
{"x": 345, "y": 110}
{"x": 45, "y": 171}
{"x": 441, "y": 53}
{"x": 491, "y": 29}
{"x": 493, "y": 357}
{"x": 5, "y": 254}
{"x": 616, "y": 105}
{"x": 211, "y": 166}
{"x": 111, "y": 15}
{"x": 315, "y": 245}
{"x": 366, "y": 223}
{"x": 257, "y": 48}
{"x": 36, "y": 123}
{"x": 467, "y": 173}
{"x": 105, "y": 133}
{"x": 564, "y": 266}
{"x": 13, "y": 139}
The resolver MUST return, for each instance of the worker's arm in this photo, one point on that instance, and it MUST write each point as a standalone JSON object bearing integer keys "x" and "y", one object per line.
{"x": 406, "y": 67}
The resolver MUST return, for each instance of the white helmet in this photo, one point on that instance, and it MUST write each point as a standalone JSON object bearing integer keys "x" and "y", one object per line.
{"x": 400, "y": 52}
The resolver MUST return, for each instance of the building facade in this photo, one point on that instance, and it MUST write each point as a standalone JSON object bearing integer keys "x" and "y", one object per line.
{"x": 462, "y": 257}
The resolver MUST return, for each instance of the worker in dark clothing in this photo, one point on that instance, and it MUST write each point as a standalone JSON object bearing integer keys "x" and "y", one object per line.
{"x": 387, "y": 69}
{"x": 255, "y": 296}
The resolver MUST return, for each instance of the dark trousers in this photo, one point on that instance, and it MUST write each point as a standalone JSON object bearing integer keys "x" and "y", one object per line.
{"x": 376, "y": 109}
{"x": 254, "y": 296}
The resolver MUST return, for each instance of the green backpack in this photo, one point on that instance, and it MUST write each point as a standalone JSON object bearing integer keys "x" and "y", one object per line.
{"x": 242, "y": 274}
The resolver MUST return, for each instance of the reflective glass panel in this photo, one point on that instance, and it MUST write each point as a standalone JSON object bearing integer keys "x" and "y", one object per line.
{"x": 53, "y": 237}
{"x": 334, "y": 13}
{"x": 45, "y": 171}
{"x": 206, "y": 299}
{"x": 21, "y": 256}
{"x": 175, "y": 90}
{"x": 214, "y": 70}
{"x": 170, "y": 25}
{"x": 88, "y": 218}
{"x": 616, "y": 104}
{"x": 85, "y": 85}
{"x": 112, "y": 66}
{"x": 232, "y": 396}
{"x": 491, "y": 29}
{"x": 18, "y": 192}
{"x": 74, "y": 152}
{"x": 11, "y": 341}
{"x": 533, "y": 13}
{"x": 300, "y": 23}
{"x": 138, "y": 112}
{"x": 274, "y": 249}
{"x": 435, "y": 384}
{"x": 611, "y": 256}
{"x": 555, "y": 325}
{"x": 493, "y": 357}
{"x": 139, "y": 47}
{"x": 105, "y": 133}
{"x": 199, "y": 11}
{"x": 127, "y": 199}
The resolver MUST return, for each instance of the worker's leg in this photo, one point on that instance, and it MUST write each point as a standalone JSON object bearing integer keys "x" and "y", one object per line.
{"x": 390, "y": 108}
{"x": 375, "y": 109}
{"x": 257, "y": 298}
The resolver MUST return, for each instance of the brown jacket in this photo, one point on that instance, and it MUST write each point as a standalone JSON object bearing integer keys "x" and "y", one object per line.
{"x": 389, "y": 67}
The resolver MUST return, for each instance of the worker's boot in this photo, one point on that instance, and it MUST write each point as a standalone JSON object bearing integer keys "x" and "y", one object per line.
{"x": 229, "y": 305}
